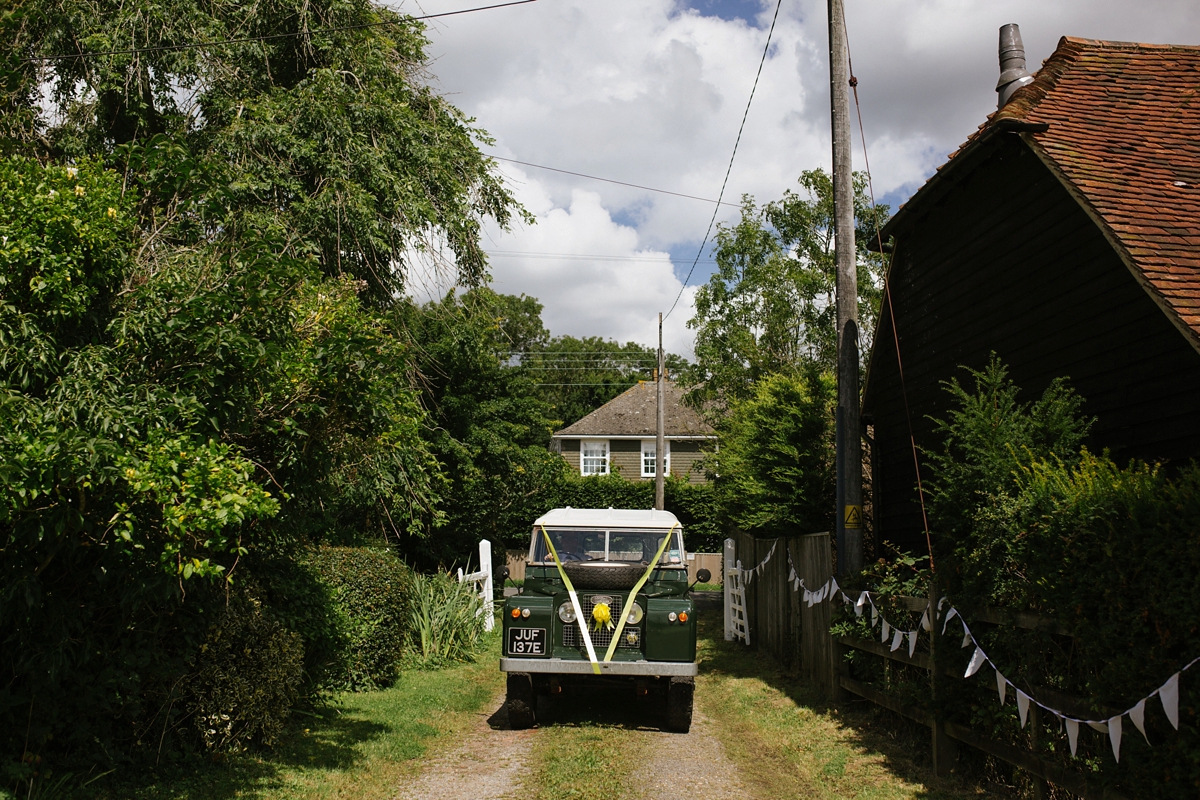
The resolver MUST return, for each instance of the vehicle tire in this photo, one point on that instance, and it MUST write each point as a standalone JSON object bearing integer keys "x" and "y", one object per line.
{"x": 521, "y": 701}
{"x": 603, "y": 574}
{"x": 679, "y": 704}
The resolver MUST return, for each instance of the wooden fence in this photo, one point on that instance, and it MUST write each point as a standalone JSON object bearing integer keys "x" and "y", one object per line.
{"x": 799, "y": 638}
{"x": 780, "y": 622}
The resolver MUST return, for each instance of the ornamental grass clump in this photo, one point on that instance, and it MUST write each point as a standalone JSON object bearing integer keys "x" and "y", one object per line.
{"x": 447, "y": 619}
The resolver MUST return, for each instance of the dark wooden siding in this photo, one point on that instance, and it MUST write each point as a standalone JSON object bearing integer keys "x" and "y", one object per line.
{"x": 1008, "y": 262}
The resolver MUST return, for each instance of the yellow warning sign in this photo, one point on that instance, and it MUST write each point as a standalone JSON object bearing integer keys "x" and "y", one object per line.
{"x": 853, "y": 516}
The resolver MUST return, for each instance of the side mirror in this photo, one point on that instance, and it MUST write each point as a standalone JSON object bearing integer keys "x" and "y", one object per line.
{"x": 703, "y": 576}
{"x": 502, "y": 574}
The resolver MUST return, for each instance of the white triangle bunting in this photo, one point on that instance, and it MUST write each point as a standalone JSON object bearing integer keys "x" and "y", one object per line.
{"x": 1169, "y": 694}
{"x": 896, "y": 639}
{"x": 1098, "y": 725}
{"x": 951, "y": 614}
{"x": 1002, "y": 686}
{"x": 977, "y": 659}
{"x": 1138, "y": 715}
{"x": 1072, "y": 734}
{"x": 1114, "y": 736}
{"x": 1022, "y": 706}
{"x": 886, "y": 630}
{"x": 912, "y": 643}
{"x": 925, "y": 626}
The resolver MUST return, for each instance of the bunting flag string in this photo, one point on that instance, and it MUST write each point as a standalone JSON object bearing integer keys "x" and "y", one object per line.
{"x": 748, "y": 574}
{"x": 1167, "y": 693}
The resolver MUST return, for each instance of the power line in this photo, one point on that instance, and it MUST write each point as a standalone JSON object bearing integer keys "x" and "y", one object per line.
{"x": 732, "y": 156}
{"x": 610, "y": 180}
{"x": 578, "y": 256}
{"x": 269, "y": 37}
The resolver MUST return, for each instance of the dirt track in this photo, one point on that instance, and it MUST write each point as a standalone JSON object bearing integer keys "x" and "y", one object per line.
{"x": 493, "y": 761}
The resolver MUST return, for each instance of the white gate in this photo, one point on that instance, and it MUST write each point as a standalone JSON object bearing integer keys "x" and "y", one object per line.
{"x": 735, "y": 597}
{"x": 483, "y": 583}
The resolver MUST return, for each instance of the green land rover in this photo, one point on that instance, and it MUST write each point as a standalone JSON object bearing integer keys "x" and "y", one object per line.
{"x": 605, "y": 604}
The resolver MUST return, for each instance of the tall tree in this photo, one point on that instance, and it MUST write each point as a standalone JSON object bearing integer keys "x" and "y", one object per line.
{"x": 201, "y": 358}
{"x": 770, "y": 305}
{"x": 489, "y": 427}
{"x": 313, "y": 119}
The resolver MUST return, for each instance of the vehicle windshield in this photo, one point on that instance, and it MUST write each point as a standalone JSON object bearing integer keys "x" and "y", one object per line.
{"x": 590, "y": 544}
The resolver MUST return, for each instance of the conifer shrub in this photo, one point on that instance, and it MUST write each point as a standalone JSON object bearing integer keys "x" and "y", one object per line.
{"x": 1027, "y": 518}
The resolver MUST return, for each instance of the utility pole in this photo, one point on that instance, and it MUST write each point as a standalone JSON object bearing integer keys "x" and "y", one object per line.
{"x": 659, "y": 440}
{"x": 849, "y": 443}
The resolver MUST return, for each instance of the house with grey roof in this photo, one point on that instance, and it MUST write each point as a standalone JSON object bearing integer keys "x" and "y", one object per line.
{"x": 619, "y": 437}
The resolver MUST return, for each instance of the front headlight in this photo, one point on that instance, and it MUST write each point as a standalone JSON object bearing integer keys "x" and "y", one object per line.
{"x": 635, "y": 614}
{"x": 566, "y": 612}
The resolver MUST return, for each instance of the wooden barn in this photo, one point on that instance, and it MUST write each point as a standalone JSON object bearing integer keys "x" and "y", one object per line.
{"x": 1065, "y": 237}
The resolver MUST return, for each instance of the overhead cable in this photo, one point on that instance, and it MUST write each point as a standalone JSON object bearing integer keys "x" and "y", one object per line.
{"x": 269, "y": 37}
{"x": 609, "y": 180}
{"x": 729, "y": 168}
{"x": 578, "y": 256}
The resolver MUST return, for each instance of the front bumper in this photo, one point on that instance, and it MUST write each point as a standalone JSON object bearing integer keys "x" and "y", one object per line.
{"x": 558, "y": 666}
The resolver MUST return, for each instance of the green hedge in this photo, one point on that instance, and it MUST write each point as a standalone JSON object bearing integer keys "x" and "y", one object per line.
{"x": 368, "y": 591}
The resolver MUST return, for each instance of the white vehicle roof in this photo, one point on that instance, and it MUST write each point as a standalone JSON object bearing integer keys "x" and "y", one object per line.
{"x": 607, "y": 518}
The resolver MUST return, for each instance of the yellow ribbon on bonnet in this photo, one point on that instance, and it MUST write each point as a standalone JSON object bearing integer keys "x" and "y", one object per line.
{"x": 612, "y": 646}
{"x": 562, "y": 573}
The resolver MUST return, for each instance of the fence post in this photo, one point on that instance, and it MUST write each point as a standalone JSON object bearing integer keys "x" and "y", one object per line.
{"x": 727, "y": 587}
{"x": 1041, "y": 789}
{"x": 945, "y": 751}
{"x": 488, "y": 593}
{"x": 816, "y": 641}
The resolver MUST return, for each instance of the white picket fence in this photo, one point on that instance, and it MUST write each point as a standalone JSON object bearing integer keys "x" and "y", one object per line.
{"x": 483, "y": 584}
{"x": 735, "y": 597}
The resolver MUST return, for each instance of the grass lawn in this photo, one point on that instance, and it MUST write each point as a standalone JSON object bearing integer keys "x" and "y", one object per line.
{"x": 361, "y": 747}
{"x": 790, "y": 744}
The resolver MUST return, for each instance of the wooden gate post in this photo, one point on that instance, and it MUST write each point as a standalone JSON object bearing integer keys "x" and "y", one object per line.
{"x": 729, "y": 556}
{"x": 818, "y": 654}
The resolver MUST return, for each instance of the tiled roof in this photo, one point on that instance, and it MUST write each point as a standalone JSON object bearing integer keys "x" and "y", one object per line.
{"x": 634, "y": 413}
{"x": 1124, "y": 133}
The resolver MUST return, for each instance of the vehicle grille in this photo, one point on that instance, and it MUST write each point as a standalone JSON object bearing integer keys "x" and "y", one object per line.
{"x": 603, "y": 637}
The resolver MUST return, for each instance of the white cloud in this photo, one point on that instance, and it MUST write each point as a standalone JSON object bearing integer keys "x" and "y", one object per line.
{"x": 652, "y": 92}
{"x": 591, "y": 274}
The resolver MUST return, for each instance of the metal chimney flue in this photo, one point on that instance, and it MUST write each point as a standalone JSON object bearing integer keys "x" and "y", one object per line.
{"x": 1013, "y": 74}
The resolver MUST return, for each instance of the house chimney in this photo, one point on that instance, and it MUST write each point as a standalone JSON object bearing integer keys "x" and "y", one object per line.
{"x": 1013, "y": 74}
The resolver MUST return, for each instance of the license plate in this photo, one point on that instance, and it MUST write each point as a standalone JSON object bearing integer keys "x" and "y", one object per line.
{"x": 527, "y": 641}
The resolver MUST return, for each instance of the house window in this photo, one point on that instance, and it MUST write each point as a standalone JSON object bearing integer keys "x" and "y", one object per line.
{"x": 593, "y": 457}
{"x": 648, "y": 459}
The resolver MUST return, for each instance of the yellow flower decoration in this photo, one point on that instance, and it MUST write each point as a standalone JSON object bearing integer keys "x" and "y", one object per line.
{"x": 79, "y": 191}
{"x": 112, "y": 213}
{"x": 601, "y": 617}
